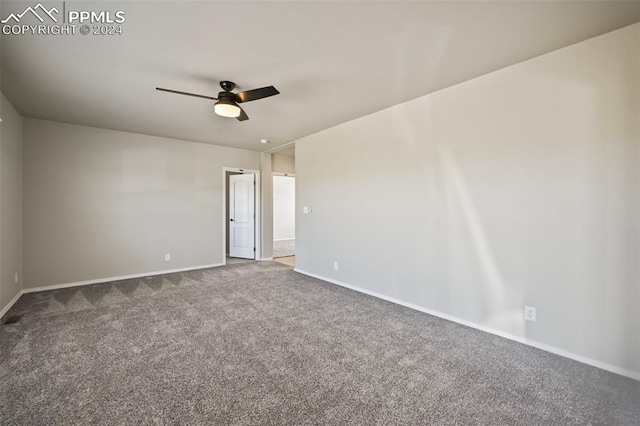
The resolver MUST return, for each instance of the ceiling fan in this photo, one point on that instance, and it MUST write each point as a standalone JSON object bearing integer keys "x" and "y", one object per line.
{"x": 227, "y": 101}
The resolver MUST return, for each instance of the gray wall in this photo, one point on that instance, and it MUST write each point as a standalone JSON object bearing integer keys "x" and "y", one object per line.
{"x": 516, "y": 188}
{"x": 101, "y": 203}
{"x": 10, "y": 202}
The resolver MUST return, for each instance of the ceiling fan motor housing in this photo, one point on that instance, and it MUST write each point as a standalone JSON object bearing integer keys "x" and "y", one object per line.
{"x": 226, "y": 97}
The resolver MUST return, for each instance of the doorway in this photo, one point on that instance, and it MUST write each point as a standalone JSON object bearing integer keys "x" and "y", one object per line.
{"x": 284, "y": 217}
{"x": 241, "y": 207}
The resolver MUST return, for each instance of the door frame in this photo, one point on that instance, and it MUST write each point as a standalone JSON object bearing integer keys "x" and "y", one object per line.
{"x": 257, "y": 206}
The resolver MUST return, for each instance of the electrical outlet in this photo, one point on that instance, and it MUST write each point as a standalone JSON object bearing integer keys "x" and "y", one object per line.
{"x": 336, "y": 266}
{"x": 16, "y": 278}
{"x": 530, "y": 313}
{"x": 306, "y": 210}
{"x": 167, "y": 257}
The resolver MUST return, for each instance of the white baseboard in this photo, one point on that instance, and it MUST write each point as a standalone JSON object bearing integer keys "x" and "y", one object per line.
{"x": 548, "y": 348}
{"x": 265, "y": 258}
{"x": 119, "y": 278}
{"x": 284, "y": 239}
{"x": 10, "y": 304}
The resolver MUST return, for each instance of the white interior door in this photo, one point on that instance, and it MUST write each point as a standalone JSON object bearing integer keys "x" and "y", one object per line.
{"x": 242, "y": 237}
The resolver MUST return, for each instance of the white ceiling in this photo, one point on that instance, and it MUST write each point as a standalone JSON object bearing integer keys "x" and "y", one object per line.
{"x": 331, "y": 61}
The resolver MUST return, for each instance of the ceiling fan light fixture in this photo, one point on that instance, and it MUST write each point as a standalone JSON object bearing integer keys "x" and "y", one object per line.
{"x": 226, "y": 108}
{"x": 227, "y": 101}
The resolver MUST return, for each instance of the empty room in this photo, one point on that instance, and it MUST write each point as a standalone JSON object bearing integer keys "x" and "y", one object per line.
{"x": 320, "y": 212}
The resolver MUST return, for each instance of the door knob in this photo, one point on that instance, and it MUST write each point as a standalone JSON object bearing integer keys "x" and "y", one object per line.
{"x": 231, "y": 220}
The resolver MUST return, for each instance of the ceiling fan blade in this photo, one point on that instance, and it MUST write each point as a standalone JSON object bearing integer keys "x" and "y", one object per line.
{"x": 186, "y": 93}
{"x": 243, "y": 115}
{"x": 255, "y": 94}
